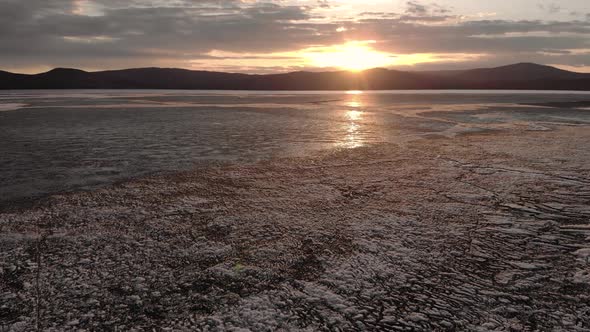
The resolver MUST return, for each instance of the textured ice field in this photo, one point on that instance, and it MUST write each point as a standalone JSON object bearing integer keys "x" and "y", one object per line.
{"x": 470, "y": 216}
{"x": 480, "y": 232}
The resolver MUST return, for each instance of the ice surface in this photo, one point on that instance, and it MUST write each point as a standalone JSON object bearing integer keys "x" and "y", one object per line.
{"x": 483, "y": 232}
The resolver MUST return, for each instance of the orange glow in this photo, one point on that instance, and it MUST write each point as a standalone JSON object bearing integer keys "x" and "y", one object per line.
{"x": 354, "y": 56}
{"x": 354, "y": 92}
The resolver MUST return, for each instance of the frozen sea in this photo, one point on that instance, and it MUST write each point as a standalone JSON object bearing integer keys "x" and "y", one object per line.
{"x": 56, "y": 141}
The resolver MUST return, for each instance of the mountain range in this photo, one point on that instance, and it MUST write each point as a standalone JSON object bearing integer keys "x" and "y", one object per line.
{"x": 519, "y": 76}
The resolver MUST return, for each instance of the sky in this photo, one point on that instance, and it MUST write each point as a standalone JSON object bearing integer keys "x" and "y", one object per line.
{"x": 290, "y": 35}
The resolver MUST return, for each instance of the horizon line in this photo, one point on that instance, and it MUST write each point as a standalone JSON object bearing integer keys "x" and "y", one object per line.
{"x": 291, "y": 72}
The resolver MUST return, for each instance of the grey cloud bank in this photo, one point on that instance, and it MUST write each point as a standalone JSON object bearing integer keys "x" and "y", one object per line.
{"x": 105, "y": 34}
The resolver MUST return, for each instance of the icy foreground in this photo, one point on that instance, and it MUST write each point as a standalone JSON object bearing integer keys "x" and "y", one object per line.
{"x": 481, "y": 232}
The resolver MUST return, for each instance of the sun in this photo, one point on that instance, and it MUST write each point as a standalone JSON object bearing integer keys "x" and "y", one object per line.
{"x": 353, "y": 56}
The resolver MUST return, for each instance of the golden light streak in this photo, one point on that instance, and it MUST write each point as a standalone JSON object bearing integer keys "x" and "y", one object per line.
{"x": 353, "y": 56}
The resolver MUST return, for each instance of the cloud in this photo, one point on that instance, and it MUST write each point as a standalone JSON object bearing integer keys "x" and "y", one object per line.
{"x": 99, "y": 34}
{"x": 551, "y": 8}
{"x": 416, "y": 8}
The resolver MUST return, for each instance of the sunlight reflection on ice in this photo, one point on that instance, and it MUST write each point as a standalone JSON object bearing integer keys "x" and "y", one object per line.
{"x": 352, "y": 139}
{"x": 354, "y": 115}
{"x": 353, "y": 104}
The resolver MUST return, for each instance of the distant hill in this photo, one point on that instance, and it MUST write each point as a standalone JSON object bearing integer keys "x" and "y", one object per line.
{"x": 518, "y": 76}
{"x": 516, "y": 72}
